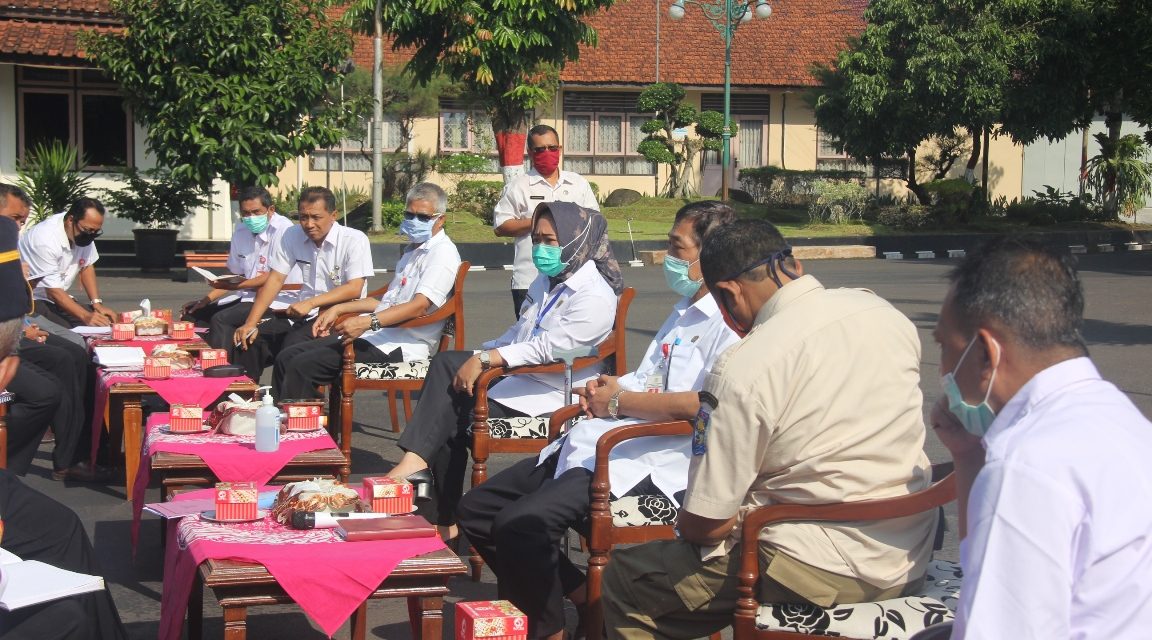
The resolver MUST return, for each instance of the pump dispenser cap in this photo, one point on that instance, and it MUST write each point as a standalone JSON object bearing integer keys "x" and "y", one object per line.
{"x": 267, "y": 395}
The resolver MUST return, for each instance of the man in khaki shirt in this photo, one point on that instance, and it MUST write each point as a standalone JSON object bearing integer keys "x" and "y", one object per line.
{"x": 820, "y": 403}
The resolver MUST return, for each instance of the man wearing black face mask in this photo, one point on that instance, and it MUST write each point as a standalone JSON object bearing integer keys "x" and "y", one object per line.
{"x": 56, "y": 251}
{"x": 544, "y": 182}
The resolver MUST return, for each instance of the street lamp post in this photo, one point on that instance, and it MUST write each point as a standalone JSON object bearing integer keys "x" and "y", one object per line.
{"x": 725, "y": 16}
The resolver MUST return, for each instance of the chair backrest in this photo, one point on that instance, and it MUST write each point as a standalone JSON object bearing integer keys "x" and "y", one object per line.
{"x": 451, "y": 312}
{"x": 615, "y": 346}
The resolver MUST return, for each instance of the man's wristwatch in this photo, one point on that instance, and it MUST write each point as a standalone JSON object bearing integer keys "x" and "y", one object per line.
{"x": 485, "y": 360}
{"x": 97, "y": 301}
{"x": 374, "y": 322}
{"x": 614, "y": 405}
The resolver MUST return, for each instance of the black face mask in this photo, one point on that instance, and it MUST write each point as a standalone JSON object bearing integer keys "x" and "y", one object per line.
{"x": 85, "y": 239}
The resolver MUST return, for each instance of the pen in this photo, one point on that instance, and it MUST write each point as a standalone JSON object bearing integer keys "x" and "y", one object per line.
{"x": 251, "y": 332}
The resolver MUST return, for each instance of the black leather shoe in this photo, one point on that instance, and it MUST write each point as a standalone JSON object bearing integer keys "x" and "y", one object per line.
{"x": 421, "y": 485}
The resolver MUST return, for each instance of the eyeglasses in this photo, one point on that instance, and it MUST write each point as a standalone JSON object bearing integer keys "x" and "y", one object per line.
{"x": 86, "y": 232}
{"x": 550, "y": 147}
{"x": 422, "y": 217}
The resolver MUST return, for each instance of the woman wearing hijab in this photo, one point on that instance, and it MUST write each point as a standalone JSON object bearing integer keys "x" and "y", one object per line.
{"x": 571, "y": 304}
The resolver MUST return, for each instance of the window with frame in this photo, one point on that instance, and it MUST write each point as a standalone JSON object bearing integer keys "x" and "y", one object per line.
{"x": 829, "y": 159}
{"x": 750, "y": 112}
{"x": 601, "y": 133}
{"x": 464, "y": 130}
{"x": 355, "y": 153}
{"x": 81, "y": 108}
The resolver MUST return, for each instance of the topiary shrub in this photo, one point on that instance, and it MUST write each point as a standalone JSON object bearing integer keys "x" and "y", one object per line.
{"x": 906, "y": 217}
{"x": 838, "y": 202}
{"x": 951, "y": 200}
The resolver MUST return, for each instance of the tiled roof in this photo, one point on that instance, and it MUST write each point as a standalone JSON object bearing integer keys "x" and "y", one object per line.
{"x": 43, "y": 42}
{"x": 778, "y": 51}
{"x": 57, "y": 7}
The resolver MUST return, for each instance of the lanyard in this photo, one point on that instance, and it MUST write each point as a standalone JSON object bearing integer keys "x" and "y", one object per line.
{"x": 668, "y": 349}
{"x": 544, "y": 312}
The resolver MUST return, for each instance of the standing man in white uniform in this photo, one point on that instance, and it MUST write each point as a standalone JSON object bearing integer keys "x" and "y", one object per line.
{"x": 335, "y": 263}
{"x": 544, "y": 182}
{"x": 227, "y": 303}
{"x": 1052, "y": 473}
{"x": 56, "y": 251}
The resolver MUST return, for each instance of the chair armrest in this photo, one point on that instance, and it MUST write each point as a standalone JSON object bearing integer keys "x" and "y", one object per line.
{"x": 937, "y": 495}
{"x": 560, "y": 417}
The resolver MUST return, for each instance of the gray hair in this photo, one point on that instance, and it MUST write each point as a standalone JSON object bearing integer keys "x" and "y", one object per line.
{"x": 430, "y": 193}
{"x": 1024, "y": 287}
{"x": 10, "y": 332}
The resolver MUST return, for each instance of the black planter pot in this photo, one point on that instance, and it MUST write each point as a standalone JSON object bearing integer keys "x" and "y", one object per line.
{"x": 155, "y": 249}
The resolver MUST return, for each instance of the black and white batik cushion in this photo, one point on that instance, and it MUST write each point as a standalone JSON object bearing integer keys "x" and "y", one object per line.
{"x": 642, "y": 511}
{"x": 895, "y": 619}
{"x": 413, "y": 370}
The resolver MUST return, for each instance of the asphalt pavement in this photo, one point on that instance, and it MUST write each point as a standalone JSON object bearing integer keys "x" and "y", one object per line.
{"x": 1117, "y": 329}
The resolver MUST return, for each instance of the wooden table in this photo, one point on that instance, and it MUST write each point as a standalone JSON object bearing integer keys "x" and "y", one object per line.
{"x": 240, "y": 585}
{"x": 178, "y": 469}
{"x": 124, "y": 400}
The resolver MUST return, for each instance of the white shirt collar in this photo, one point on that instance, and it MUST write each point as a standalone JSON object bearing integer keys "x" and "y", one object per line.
{"x": 1038, "y": 389}
{"x": 535, "y": 177}
{"x": 58, "y": 232}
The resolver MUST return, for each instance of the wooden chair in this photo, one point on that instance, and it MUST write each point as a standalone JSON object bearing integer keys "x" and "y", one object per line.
{"x": 5, "y": 398}
{"x": 626, "y": 520}
{"x": 895, "y": 618}
{"x": 529, "y": 435}
{"x": 403, "y": 377}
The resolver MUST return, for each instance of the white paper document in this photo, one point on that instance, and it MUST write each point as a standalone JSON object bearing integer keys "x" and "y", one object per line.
{"x": 209, "y": 276}
{"x": 30, "y": 582}
{"x": 93, "y": 331}
{"x": 120, "y": 357}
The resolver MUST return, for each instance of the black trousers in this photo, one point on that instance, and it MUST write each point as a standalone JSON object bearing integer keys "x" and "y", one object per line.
{"x": 37, "y": 394}
{"x": 56, "y": 314}
{"x": 202, "y": 317}
{"x": 518, "y": 296}
{"x": 275, "y": 335}
{"x": 438, "y": 433}
{"x": 37, "y": 527}
{"x": 300, "y": 368}
{"x": 70, "y": 366}
{"x": 516, "y": 521}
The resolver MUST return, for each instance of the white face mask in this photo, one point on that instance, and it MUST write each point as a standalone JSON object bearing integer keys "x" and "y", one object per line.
{"x": 975, "y": 418}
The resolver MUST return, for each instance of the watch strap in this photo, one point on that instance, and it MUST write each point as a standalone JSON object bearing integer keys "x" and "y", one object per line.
{"x": 614, "y": 405}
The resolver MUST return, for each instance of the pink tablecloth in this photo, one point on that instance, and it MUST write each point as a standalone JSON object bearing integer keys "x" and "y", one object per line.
{"x": 185, "y": 386}
{"x": 336, "y": 577}
{"x": 231, "y": 458}
{"x": 147, "y": 343}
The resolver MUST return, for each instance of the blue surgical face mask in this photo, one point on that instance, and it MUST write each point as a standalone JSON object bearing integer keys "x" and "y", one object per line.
{"x": 676, "y": 275}
{"x": 547, "y": 259}
{"x": 975, "y": 418}
{"x": 416, "y": 230}
{"x": 255, "y": 224}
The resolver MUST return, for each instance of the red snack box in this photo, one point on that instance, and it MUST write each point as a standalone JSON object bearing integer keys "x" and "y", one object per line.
{"x": 213, "y": 357}
{"x": 495, "y": 619}
{"x": 157, "y": 368}
{"x": 186, "y": 418}
{"x": 163, "y": 314}
{"x": 130, "y": 316}
{"x": 123, "y": 331}
{"x": 301, "y": 416}
{"x": 181, "y": 330}
{"x": 388, "y": 495}
{"x": 235, "y": 500}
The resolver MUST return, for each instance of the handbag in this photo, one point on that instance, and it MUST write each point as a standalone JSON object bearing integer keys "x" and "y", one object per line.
{"x": 235, "y": 418}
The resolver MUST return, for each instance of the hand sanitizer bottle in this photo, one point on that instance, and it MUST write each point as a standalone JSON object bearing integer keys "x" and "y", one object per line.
{"x": 267, "y": 424}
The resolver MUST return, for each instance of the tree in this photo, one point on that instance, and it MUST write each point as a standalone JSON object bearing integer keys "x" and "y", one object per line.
{"x": 227, "y": 88}
{"x": 405, "y": 100}
{"x": 663, "y": 145}
{"x": 507, "y": 54}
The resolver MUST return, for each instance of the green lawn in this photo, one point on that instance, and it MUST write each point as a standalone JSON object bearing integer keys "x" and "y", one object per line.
{"x": 652, "y": 217}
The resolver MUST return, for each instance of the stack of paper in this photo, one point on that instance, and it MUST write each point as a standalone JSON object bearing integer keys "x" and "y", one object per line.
{"x": 120, "y": 358}
{"x": 92, "y": 331}
{"x": 28, "y": 582}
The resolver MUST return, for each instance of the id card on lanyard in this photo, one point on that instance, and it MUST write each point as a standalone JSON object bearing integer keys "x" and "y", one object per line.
{"x": 536, "y": 329}
{"x": 657, "y": 380}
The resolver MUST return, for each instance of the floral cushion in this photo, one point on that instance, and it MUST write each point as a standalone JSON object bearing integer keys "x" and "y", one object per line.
{"x": 642, "y": 511}
{"x": 520, "y": 427}
{"x": 896, "y": 618}
{"x": 6, "y": 397}
{"x": 414, "y": 370}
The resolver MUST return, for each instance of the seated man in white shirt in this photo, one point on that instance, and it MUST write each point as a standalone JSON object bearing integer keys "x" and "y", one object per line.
{"x": 515, "y": 519}
{"x": 424, "y": 278}
{"x": 56, "y": 251}
{"x": 335, "y": 263}
{"x": 1051, "y": 459}
{"x": 228, "y": 301}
